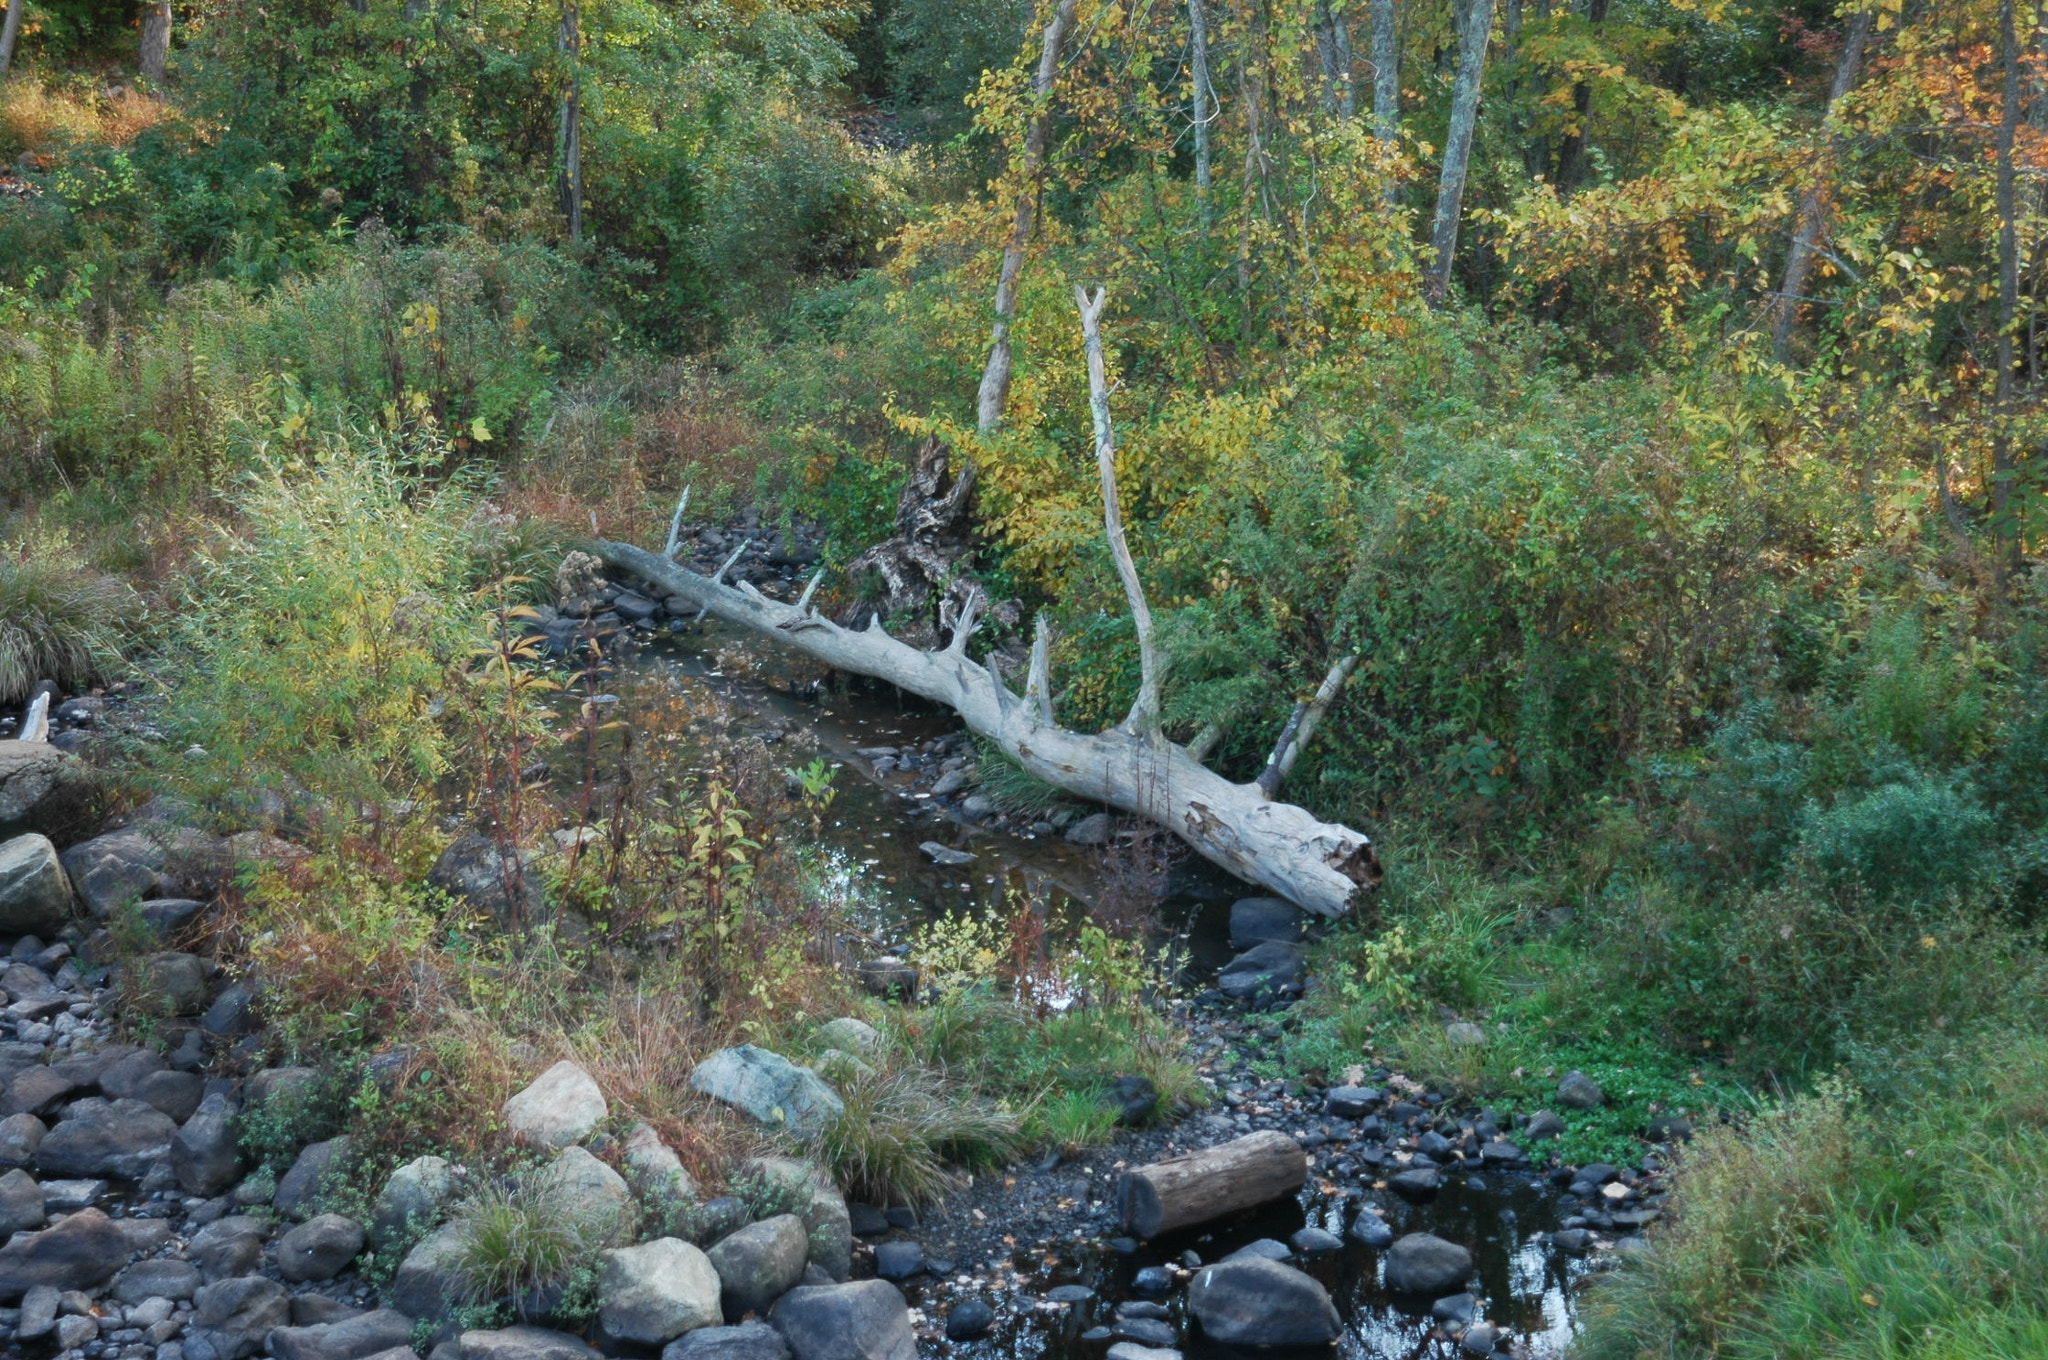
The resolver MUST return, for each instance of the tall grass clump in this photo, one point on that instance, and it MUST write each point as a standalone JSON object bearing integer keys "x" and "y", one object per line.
{"x": 58, "y": 620}
{"x": 906, "y": 1135}
{"x": 527, "y": 1242}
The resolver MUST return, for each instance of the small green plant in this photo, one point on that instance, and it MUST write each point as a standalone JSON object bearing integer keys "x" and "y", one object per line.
{"x": 1075, "y": 1119}
{"x": 529, "y": 1238}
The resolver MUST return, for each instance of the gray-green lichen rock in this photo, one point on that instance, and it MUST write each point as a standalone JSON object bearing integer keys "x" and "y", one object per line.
{"x": 41, "y": 788}
{"x": 35, "y": 892}
{"x": 412, "y": 1199}
{"x": 562, "y": 1106}
{"x": 828, "y": 1224}
{"x": 760, "y": 1263}
{"x": 769, "y": 1087}
{"x": 653, "y": 1293}
{"x": 654, "y": 1171}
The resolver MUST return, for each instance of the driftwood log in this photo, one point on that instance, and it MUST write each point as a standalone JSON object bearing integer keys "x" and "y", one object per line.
{"x": 1198, "y": 1187}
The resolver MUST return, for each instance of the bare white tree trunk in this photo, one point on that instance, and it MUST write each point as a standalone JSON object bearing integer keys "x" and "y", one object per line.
{"x": 10, "y": 30}
{"x": 994, "y": 393}
{"x": 1813, "y": 204}
{"x": 1144, "y": 715}
{"x": 570, "y": 43}
{"x": 156, "y": 42}
{"x": 1205, "y": 96}
{"x": 1450, "y": 193}
{"x": 1317, "y": 865}
{"x": 1301, "y": 727}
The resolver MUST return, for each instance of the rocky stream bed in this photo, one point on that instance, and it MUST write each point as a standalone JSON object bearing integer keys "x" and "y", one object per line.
{"x": 136, "y": 1226}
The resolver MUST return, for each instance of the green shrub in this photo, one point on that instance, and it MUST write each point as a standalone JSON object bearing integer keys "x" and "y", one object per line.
{"x": 59, "y": 621}
{"x": 1917, "y": 838}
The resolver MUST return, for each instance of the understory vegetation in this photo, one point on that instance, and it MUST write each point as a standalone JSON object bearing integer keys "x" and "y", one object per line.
{"x": 1683, "y": 508}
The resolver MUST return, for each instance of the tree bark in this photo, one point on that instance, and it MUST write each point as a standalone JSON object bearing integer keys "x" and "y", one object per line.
{"x": 10, "y": 30}
{"x": 1199, "y": 1187}
{"x": 1450, "y": 193}
{"x": 1813, "y": 204}
{"x": 1571, "y": 153}
{"x": 1333, "y": 50}
{"x": 1319, "y": 866}
{"x": 156, "y": 42}
{"x": 1144, "y": 716}
{"x": 994, "y": 393}
{"x": 2003, "y": 525}
{"x": 1301, "y": 726}
{"x": 1386, "y": 72}
{"x": 1205, "y": 98}
{"x": 570, "y": 43}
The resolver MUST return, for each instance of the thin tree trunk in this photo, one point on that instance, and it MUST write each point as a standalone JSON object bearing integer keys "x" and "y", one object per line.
{"x": 1301, "y": 726}
{"x": 994, "y": 393}
{"x": 1205, "y": 98}
{"x": 1571, "y": 153}
{"x": 1386, "y": 72}
{"x": 1450, "y": 193}
{"x": 1143, "y": 720}
{"x": 2002, "y": 470}
{"x": 1536, "y": 151}
{"x": 1813, "y": 205}
{"x": 10, "y": 30}
{"x": 156, "y": 42}
{"x": 570, "y": 44}
{"x": 1333, "y": 50}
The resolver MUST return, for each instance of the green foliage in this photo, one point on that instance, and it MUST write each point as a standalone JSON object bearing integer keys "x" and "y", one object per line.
{"x": 58, "y": 620}
{"x": 533, "y": 1238}
{"x": 1916, "y": 838}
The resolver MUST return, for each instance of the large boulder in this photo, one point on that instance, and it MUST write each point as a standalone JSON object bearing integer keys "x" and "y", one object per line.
{"x": 206, "y": 1154}
{"x": 81, "y": 1252}
{"x": 162, "y": 1277}
{"x": 35, "y": 892}
{"x": 313, "y": 1173}
{"x": 866, "y": 1320}
{"x": 1422, "y": 1263}
{"x": 412, "y": 1199}
{"x": 1274, "y": 968}
{"x": 760, "y": 1263}
{"x": 351, "y": 1338}
{"x": 828, "y": 1223}
{"x": 655, "y": 1292}
{"x": 562, "y": 1106}
{"x": 748, "y": 1341}
{"x": 41, "y": 788}
{"x": 523, "y": 1343}
{"x": 769, "y": 1087}
{"x": 232, "y": 1318}
{"x": 503, "y": 883}
{"x": 118, "y": 1138}
{"x": 1256, "y": 1301}
{"x": 430, "y": 1282}
{"x": 113, "y": 870}
{"x": 21, "y": 1203}
{"x": 319, "y": 1248}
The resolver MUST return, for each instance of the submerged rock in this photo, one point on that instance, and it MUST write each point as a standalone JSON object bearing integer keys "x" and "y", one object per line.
{"x": 1254, "y": 1301}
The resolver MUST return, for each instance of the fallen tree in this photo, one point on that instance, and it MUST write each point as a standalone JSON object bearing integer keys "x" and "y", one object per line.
{"x": 1317, "y": 865}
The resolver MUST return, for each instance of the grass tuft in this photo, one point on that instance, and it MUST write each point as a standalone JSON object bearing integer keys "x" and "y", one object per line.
{"x": 528, "y": 1238}
{"x": 907, "y": 1134}
{"x": 58, "y": 621}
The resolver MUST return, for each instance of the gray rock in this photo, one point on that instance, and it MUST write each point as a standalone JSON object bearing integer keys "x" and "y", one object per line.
{"x": 827, "y": 1222}
{"x": 164, "y": 917}
{"x": 524, "y": 1343}
{"x": 1350, "y": 1102}
{"x": 770, "y": 1088}
{"x": 759, "y": 1263}
{"x": 317, "y": 1310}
{"x": 748, "y": 1341}
{"x": 968, "y": 1320}
{"x": 1272, "y": 968}
{"x": 1131, "y": 1350}
{"x": 562, "y": 1106}
{"x": 231, "y": 1016}
{"x": 1577, "y": 1091}
{"x": 946, "y": 856}
{"x": 1314, "y": 1241}
{"x": 20, "y": 1136}
{"x": 75, "y": 1329}
{"x": 21, "y": 1203}
{"x": 430, "y": 1283}
{"x": 231, "y": 1318}
{"x": 206, "y": 1153}
{"x": 1370, "y": 1230}
{"x": 1668, "y": 1128}
{"x": 1146, "y": 1332}
{"x": 1464, "y": 1034}
{"x": 63, "y": 1196}
{"x": 1091, "y": 830}
{"x": 227, "y": 1247}
{"x": 97, "y": 1137}
{"x": 653, "y": 1170}
{"x": 1543, "y": 1125}
{"x": 282, "y": 1089}
{"x": 866, "y": 1320}
{"x": 1252, "y": 1301}
{"x": 159, "y": 1278}
{"x": 900, "y": 1260}
{"x": 653, "y": 1293}
{"x": 300, "y": 1189}
{"x": 41, "y": 788}
{"x": 171, "y": 983}
{"x": 412, "y": 1199}
{"x": 38, "y": 1312}
{"x": 113, "y": 870}
{"x": 577, "y": 1178}
{"x": 853, "y": 1035}
{"x": 1422, "y": 1263}
{"x": 477, "y": 870}
{"x": 319, "y": 1248}
{"x": 177, "y": 1094}
{"x": 35, "y": 893}
{"x": 352, "y": 1338}
{"x": 1256, "y": 920}
{"x": 889, "y": 978}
